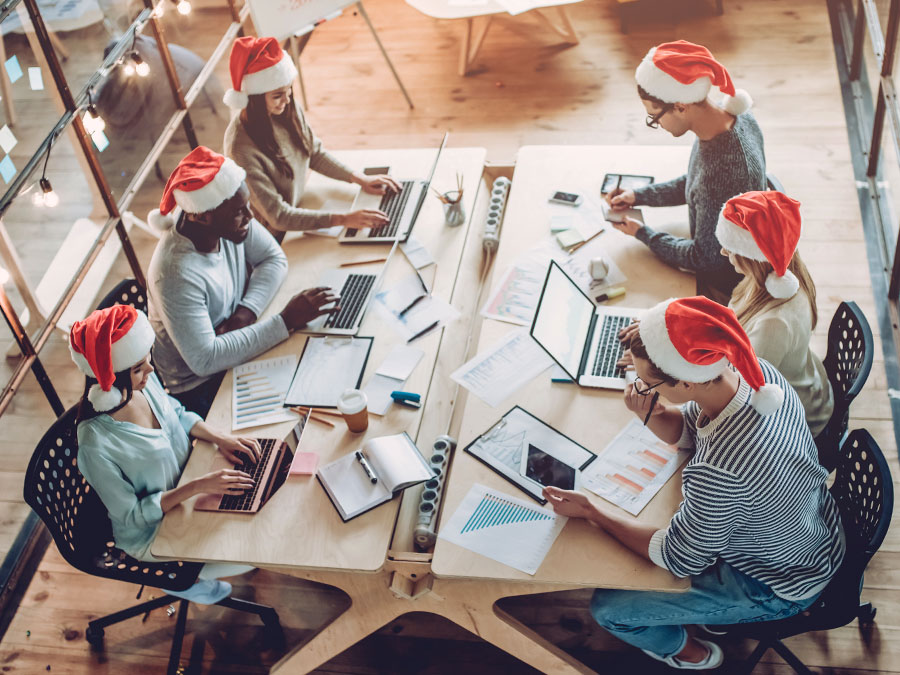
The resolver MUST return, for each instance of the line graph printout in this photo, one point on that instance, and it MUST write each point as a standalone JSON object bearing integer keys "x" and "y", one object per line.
{"x": 257, "y": 392}
{"x": 633, "y": 467}
{"x": 503, "y": 528}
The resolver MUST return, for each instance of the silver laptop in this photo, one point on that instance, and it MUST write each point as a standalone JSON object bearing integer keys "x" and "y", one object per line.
{"x": 355, "y": 290}
{"x": 402, "y": 208}
{"x": 581, "y": 337}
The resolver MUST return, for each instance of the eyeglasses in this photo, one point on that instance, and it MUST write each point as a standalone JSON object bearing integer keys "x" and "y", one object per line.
{"x": 652, "y": 121}
{"x": 644, "y": 388}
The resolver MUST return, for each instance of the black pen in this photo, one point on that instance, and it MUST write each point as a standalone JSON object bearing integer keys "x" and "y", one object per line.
{"x": 412, "y": 304}
{"x": 652, "y": 405}
{"x": 422, "y": 332}
{"x": 366, "y": 467}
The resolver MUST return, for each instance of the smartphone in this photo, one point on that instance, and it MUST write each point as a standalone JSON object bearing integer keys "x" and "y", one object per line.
{"x": 567, "y": 198}
{"x": 376, "y": 170}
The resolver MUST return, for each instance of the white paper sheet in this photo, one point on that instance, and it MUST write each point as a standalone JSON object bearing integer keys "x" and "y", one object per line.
{"x": 378, "y": 392}
{"x": 400, "y": 362}
{"x": 416, "y": 253}
{"x": 633, "y": 467}
{"x": 512, "y": 531}
{"x": 391, "y": 302}
{"x": 257, "y": 392}
{"x": 8, "y": 139}
{"x": 497, "y": 373}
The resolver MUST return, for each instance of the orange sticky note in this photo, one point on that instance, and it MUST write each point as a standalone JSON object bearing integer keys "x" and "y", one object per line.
{"x": 304, "y": 463}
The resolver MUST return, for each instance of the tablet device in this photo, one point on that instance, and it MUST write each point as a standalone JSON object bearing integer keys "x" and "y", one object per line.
{"x": 376, "y": 170}
{"x": 548, "y": 470}
{"x": 629, "y": 182}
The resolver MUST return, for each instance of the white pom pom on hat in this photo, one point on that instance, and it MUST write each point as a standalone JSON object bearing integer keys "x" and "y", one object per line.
{"x": 737, "y": 104}
{"x": 782, "y": 287}
{"x": 104, "y": 400}
{"x": 159, "y": 222}
{"x": 767, "y": 399}
{"x": 236, "y": 99}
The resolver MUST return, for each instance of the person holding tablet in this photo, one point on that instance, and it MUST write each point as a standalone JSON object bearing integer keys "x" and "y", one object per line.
{"x": 271, "y": 140}
{"x": 133, "y": 440}
{"x": 212, "y": 274}
{"x": 776, "y": 301}
{"x": 757, "y": 531}
{"x": 727, "y": 159}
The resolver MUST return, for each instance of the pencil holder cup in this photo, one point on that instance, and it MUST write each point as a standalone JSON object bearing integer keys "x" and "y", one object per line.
{"x": 454, "y": 214}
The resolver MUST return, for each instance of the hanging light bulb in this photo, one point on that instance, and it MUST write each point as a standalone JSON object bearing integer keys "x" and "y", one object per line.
{"x": 183, "y": 7}
{"x": 140, "y": 66}
{"x": 51, "y": 199}
{"x": 128, "y": 67}
{"x": 159, "y": 10}
{"x": 92, "y": 120}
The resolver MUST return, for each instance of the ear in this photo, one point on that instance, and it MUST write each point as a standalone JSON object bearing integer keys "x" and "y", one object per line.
{"x": 205, "y": 218}
{"x": 680, "y": 108}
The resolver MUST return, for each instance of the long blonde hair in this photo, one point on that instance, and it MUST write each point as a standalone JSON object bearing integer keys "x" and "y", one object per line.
{"x": 750, "y": 296}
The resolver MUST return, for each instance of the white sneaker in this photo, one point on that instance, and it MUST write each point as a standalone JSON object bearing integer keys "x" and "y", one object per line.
{"x": 713, "y": 659}
{"x": 207, "y": 592}
{"x": 713, "y": 629}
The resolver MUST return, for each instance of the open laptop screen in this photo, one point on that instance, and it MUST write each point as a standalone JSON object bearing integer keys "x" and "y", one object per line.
{"x": 562, "y": 320}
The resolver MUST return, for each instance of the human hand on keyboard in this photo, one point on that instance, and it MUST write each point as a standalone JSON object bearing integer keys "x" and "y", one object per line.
{"x": 239, "y": 449}
{"x": 626, "y": 360}
{"x": 356, "y": 220}
{"x": 307, "y": 305}
{"x": 630, "y": 331}
{"x": 378, "y": 185}
{"x": 223, "y": 482}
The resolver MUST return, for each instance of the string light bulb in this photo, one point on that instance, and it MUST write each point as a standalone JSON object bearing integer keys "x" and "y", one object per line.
{"x": 183, "y": 7}
{"x": 140, "y": 66}
{"x": 93, "y": 123}
{"x": 50, "y": 198}
{"x": 46, "y": 196}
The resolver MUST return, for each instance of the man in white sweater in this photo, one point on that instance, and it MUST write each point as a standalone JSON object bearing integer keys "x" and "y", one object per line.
{"x": 213, "y": 273}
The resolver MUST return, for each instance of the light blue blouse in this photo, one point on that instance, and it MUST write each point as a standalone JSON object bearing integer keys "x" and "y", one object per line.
{"x": 130, "y": 466}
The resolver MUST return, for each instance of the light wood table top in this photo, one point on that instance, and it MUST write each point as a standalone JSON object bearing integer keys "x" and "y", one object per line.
{"x": 299, "y": 527}
{"x": 464, "y": 9}
{"x": 582, "y": 555}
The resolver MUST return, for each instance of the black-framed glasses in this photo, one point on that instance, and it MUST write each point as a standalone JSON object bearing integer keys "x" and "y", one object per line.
{"x": 652, "y": 121}
{"x": 644, "y": 388}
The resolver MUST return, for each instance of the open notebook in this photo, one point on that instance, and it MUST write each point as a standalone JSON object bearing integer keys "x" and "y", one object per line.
{"x": 373, "y": 474}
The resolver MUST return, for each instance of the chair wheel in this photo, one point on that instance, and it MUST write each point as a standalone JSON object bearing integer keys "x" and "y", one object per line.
{"x": 94, "y": 636}
{"x": 866, "y": 614}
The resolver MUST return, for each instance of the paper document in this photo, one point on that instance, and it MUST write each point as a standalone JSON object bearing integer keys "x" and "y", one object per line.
{"x": 633, "y": 467}
{"x": 327, "y": 367}
{"x": 495, "y": 374}
{"x": 390, "y": 376}
{"x": 509, "y": 530}
{"x": 416, "y": 253}
{"x": 429, "y": 309}
{"x": 257, "y": 392}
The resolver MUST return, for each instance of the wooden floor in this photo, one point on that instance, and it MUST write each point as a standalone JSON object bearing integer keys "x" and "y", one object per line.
{"x": 524, "y": 90}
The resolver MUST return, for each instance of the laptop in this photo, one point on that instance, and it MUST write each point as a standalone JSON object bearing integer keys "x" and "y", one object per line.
{"x": 269, "y": 474}
{"x": 402, "y": 208}
{"x": 581, "y": 337}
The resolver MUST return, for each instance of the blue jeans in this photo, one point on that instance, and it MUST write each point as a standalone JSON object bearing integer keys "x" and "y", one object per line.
{"x": 655, "y": 620}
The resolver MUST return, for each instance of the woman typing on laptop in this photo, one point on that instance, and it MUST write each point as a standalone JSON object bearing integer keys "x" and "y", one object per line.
{"x": 133, "y": 440}
{"x": 272, "y": 141}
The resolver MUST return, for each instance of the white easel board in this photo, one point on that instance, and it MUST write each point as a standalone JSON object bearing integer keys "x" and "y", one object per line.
{"x": 281, "y": 19}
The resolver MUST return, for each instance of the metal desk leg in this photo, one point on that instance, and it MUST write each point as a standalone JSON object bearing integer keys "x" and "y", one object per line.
{"x": 362, "y": 11}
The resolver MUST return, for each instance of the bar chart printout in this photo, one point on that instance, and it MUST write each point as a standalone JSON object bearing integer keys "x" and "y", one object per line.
{"x": 633, "y": 468}
{"x": 501, "y": 527}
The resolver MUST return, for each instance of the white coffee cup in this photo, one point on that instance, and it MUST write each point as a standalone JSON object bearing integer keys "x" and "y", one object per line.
{"x": 352, "y": 404}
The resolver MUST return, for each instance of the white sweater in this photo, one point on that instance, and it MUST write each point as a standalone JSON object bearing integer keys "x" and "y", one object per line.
{"x": 780, "y": 335}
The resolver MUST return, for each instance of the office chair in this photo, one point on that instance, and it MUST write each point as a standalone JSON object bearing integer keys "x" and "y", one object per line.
{"x": 80, "y": 526}
{"x": 847, "y": 362}
{"x": 864, "y": 493}
{"x": 126, "y": 292}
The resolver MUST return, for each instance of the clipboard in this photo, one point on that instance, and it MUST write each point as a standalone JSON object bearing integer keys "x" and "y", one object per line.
{"x": 328, "y": 365}
{"x": 516, "y": 438}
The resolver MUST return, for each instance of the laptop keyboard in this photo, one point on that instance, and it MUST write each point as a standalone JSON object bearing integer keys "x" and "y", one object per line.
{"x": 609, "y": 348}
{"x": 244, "y": 502}
{"x": 353, "y": 297}
{"x": 393, "y": 204}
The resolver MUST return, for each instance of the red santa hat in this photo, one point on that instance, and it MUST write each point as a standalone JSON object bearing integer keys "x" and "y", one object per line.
{"x": 764, "y": 226}
{"x": 106, "y": 342}
{"x": 201, "y": 182}
{"x": 694, "y": 340}
{"x": 257, "y": 65}
{"x": 682, "y": 72}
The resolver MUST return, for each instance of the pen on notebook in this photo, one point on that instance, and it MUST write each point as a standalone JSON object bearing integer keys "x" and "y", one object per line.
{"x": 652, "y": 405}
{"x": 412, "y": 304}
{"x": 362, "y": 262}
{"x": 365, "y": 465}
{"x": 422, "y": 332}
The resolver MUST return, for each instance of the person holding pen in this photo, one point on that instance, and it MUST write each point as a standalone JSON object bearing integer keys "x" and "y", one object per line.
{"x": 270, "y": 138}
{"x": 674, "y": 80}
{"x": 134, "y": 440}
{"x": 212, "y": 274}
{"x": 757, "y": 531}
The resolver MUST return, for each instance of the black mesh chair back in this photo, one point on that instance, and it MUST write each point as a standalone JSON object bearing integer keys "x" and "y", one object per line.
{"x": 78, "y": 520}
{"x": 127, "y": 292}
{"x": 848, "y": 363}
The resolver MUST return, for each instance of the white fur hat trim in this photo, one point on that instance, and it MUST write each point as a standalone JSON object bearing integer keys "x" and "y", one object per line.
{"x": 219, "y": 189}
{"x": 666, "y": 88}
{"x": 655, "y": 336}
{"x": 126, "y": 351}
{"x": 274, "y": 77}
{"x": 782, "y": 287}
{"x": 736, "y": 239}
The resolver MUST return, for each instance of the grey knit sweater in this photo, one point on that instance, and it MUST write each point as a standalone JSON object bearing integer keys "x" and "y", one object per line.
{"x": 275, "y": 197}
{"x": 724, "y": 166}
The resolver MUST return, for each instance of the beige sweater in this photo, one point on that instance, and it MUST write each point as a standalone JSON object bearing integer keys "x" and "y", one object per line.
{"x": 781, "y": 336}
{"x": 274, "y": 196}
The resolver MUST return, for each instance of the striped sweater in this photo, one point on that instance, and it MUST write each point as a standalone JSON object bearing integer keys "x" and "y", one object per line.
{"x": 754, "y": 496}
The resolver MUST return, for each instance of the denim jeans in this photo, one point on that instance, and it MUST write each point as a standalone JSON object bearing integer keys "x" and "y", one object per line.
{"x": 655, "y": 621}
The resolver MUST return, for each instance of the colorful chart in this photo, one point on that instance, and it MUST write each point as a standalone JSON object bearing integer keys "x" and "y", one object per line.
{"x": 494, "y": 511}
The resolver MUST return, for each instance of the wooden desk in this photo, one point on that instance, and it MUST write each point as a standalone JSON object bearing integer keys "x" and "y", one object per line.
{"x": 299, "y": 527}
